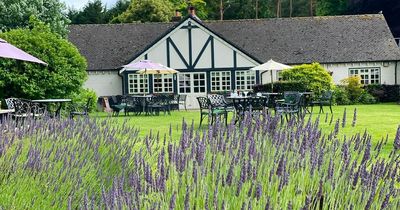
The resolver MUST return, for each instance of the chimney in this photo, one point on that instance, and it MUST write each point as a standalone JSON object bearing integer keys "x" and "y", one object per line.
{"x": 177, "y": 17}
{"x": 192, "y": 11}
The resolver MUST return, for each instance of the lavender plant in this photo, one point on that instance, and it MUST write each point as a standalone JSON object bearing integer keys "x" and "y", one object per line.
{"x": 258, "y": 163}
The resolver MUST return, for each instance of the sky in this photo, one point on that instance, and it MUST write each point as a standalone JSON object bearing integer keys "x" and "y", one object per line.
{"x": 79, "y": 4}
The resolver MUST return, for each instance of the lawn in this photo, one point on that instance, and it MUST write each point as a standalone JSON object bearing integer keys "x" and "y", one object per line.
{"x": 133, "y": 162}
{"x": 380, "y": 120}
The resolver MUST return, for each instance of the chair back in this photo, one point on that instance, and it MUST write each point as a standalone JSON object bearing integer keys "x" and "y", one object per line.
{"x": 326, "y": 96}
{"x": 203, "y": 103}
{"x": 291, "y": 97}
{"x": 217, "y": 100}
{"x": 258, "y": 103}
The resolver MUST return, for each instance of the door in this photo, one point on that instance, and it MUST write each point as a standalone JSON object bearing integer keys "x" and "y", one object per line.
{"x": 192, "y": 85}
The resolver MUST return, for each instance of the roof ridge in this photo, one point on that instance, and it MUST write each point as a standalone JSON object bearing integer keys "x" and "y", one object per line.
{"x": 291, "y": 18}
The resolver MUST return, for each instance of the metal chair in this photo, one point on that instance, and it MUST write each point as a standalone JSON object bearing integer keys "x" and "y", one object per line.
{"x": 208, "y": 110}
{"x": 24, "y": 108}
{"x": 324, "y": 99}
{"x": 291, "y": 105}
{"x": 80, "y": 109}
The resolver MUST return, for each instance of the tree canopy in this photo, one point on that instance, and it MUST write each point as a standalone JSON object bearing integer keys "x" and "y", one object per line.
{"x": 64, "y": 75}
{"x": 15, "y": 14}
{"x": 146, "y": 11}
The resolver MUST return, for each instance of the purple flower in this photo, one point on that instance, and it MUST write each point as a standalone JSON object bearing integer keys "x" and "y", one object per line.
{"x": 396, "y": 143}
{"x": 172, "y": 201}
{"x": 187, "y": 204}
{"x": 258, "y": 191}
{"x": 354, "y": 118}
{"x": 344, "y": 118}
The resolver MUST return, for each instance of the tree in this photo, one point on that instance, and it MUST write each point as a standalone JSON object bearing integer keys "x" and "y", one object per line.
{"x": 93, "y": 13}
{"x": 119, "y": 7}
{"x": 63, "y": 76}
{"x": 315, "y": 77}
{"x": 146, "y": 11}
{"x": 199, "y": 5}
{"x": 16, "y": 13}
{"x": 331, "y": 7}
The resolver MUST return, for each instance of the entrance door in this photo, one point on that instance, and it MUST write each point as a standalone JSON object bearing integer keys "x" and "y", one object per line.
{"x": 192, "y": 85}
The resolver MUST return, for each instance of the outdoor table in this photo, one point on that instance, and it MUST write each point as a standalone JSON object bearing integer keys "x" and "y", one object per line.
{"x": 58, "y": 101}
{"x": 243, "y": 103}
{"x": 143, "y": 99}
{"x": 4, "y": 113}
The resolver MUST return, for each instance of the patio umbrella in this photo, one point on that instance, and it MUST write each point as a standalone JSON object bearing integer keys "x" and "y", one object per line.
{"x": 8, "y": 50}
{"x": 271, "y": 65}
{"x": 149, "y": 67}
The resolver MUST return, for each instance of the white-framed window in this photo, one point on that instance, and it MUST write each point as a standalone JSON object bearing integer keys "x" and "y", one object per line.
{"x": 138, "y": 84}
{"x": 192, "y": 82}
{"x": 245, "y": 80}
{"x": 368, "y": 75}
{"x": 163, "y": 83}
{"x": 220, "y": 81}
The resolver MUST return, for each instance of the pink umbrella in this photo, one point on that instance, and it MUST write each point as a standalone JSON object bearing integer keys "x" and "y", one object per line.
{"x": 149, "y": 67}
{"x": 8, "y": 50}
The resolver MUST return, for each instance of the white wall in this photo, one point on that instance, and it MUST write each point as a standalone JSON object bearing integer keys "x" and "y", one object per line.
{"x": 341, "y": 71}
{"x": 104, "y": 83}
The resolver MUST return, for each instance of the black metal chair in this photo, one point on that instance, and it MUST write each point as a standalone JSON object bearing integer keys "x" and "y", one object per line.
{"x": 80, "y": 109}
{"x": 324, "y": 100}
{"x": 174, "y": 101}
{"x": 291, "y": 105}
{"x": 208, "y": 110}
{"x": 116, "y": 104}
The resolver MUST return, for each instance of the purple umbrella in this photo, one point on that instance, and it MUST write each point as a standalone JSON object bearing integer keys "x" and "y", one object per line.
{"x": 8, "y": 50}
{"x": 149, "y": 67}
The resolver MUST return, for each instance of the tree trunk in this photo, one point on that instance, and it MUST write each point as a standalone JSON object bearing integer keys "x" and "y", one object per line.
{"x": 221, "y": 10}
{"x": 256, "y": 9}
{"x": 311, "y": 8}
{"x": 290, "y": 8}
{"x": 278, "y": 8}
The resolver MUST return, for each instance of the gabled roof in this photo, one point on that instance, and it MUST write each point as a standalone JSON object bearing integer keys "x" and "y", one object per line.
{"x": 330, "y": 39}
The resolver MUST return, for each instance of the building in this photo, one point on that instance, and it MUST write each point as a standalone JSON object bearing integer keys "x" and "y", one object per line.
{"x": 214, "y": 56}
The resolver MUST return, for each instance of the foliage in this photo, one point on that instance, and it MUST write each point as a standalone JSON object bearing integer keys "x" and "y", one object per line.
{"x": 15, "y": 14}
{"x": 341, "y": 96}
{"x": 93, "y": 12}
{"x": 199, "y": 5}
{"x": 146, "y": 11}
{"x": 119, "y": 7}
{"x": 366, "y": 98}
{"x": 353, "y": 87}
{"x": 314, "y": 77}
{"x": 384, "y": 93}
{"x": 82, "y": 96}
{"x": 332, "y": 7}
{"x": 92, "y": 163}
{"x": 64, "y": 75}
{"x": 281, "y": 86}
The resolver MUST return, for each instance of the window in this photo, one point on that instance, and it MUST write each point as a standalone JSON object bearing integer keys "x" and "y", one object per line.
{"x": 163, "y": 83}
{"x": 138, "y": 84}
{"x": 245, "y": 80}
{"x": 220, "y": 81}
{"x": 192, "y": 82}
{"x": 368, "y": 75}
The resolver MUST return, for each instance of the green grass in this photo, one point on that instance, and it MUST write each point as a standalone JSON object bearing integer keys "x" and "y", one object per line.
{"x": 378, "y": 119}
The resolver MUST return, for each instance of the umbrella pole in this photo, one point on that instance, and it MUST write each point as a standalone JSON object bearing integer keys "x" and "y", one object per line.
{"x": 272, "y": 82}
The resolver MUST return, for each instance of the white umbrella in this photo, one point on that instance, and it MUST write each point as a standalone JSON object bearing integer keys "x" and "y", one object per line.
{"x": 271, "y": 65}
{"x": 149, "y": 67}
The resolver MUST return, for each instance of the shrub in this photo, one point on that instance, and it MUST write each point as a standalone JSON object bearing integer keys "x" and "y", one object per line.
{"x": 313, "y": 76}
{"x": 281, "y": 86}
{"x": 83, "y": 95}
{"x": 384, "y": 93}
{"x": 340, "y": 96}
{"x": 366, "y": 98}
{"x": 353, "y": 87}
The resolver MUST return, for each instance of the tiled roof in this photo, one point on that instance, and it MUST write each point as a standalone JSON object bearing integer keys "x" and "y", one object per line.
{"x": 330, "y": 39}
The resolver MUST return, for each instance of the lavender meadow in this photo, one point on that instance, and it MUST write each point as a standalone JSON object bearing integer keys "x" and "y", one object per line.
{"x": 259, "y": 163}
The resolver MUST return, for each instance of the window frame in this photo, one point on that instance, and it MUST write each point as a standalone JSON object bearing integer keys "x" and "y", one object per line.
{"x": 133, "y": 82}
{"x": 368, "y": 75}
